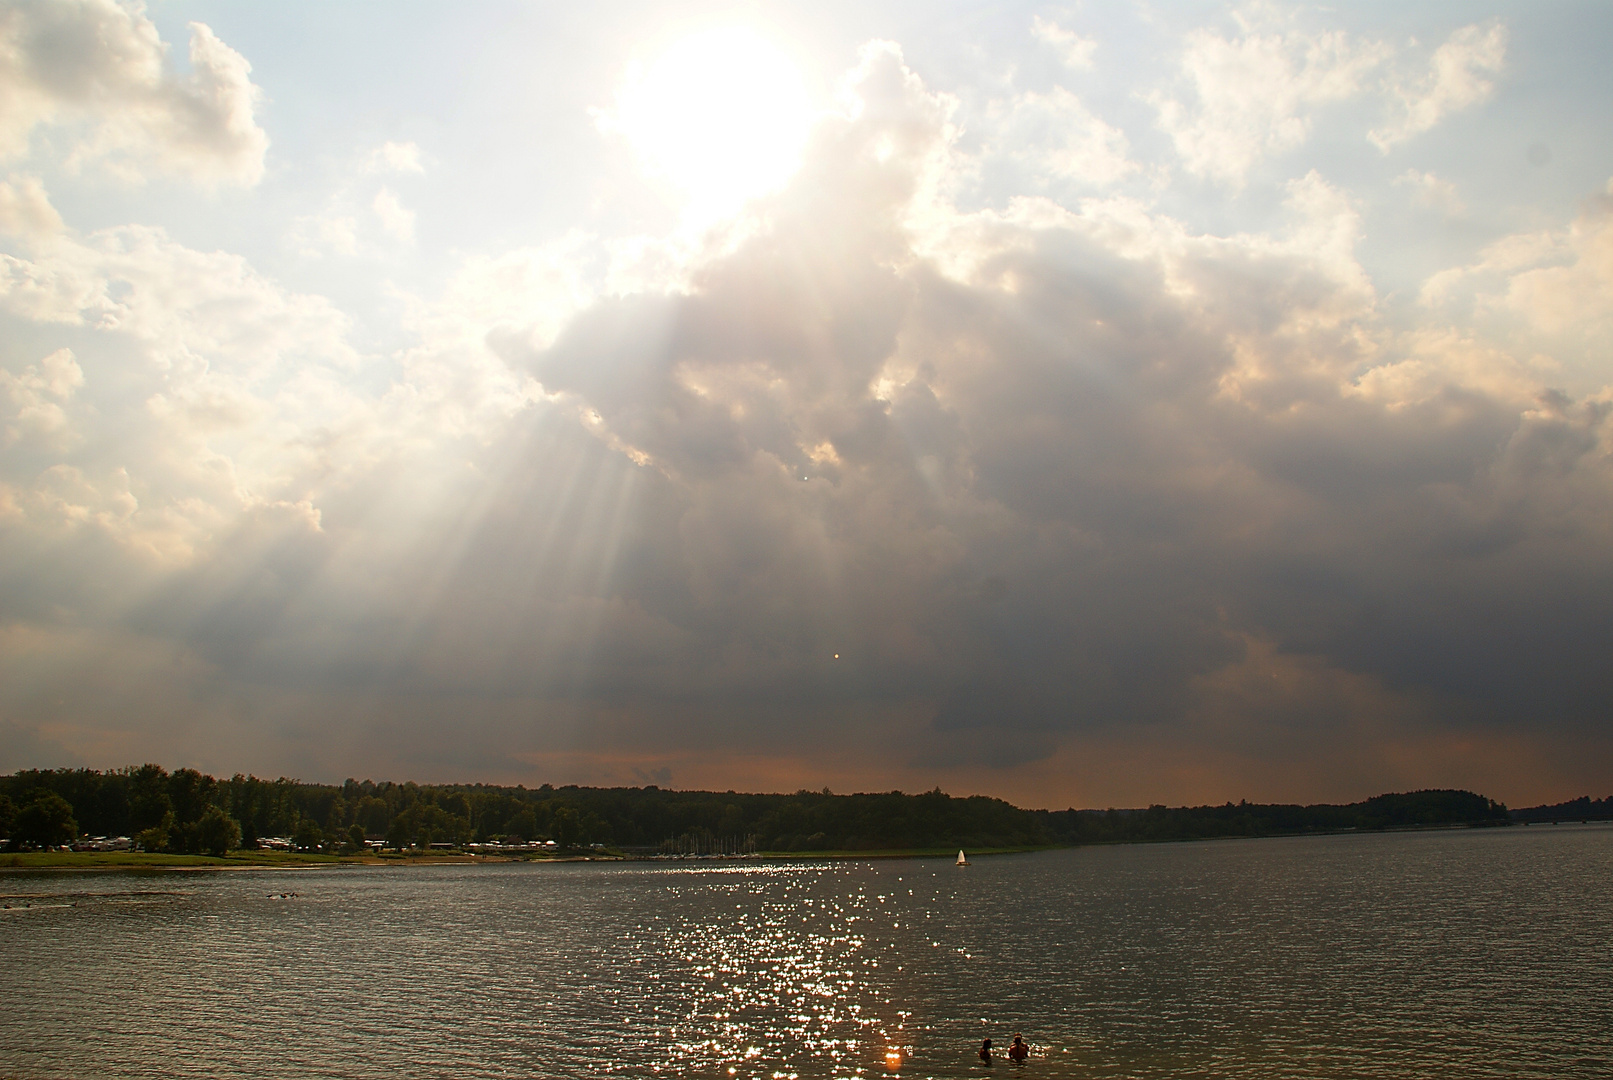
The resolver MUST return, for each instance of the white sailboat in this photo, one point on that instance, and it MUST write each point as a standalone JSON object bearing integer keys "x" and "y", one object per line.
{"x": 961, "y": 860}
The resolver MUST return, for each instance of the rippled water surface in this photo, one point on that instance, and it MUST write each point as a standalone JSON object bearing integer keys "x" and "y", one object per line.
{"x": 1468, "y": 953}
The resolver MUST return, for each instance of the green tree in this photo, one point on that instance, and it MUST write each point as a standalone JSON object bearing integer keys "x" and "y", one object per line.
{"x": 373, "y": 815}
{"x": 148, "y": 797}
{"x": 566, "y": 826}
{"x": 191, "y": 793}
{"x": 46, "y": 821}
{"x": 8, "y": 816}
{"x": 217, "y": 833}
{"x": 355, "y": 839}
{"x": 160, "y": 836}
{"x": 397, "y": 833}
{"x": 522, "y": 826}
{"x": 308, "y": 836}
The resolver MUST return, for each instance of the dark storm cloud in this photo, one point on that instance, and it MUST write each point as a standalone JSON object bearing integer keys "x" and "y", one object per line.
{"x": 1071, "y": 440}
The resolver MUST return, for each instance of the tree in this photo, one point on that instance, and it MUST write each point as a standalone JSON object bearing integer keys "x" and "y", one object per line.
{"x": 159, "y": 836}
{"x": 191, "y": 794}
{"x": 355, "y": 839}
{"x": 373, "y": 815}
{"x": 523, "y": 825}
{"x": 148, "y": 797}
{"x": 566, "y": 826}
{"x": 308, "y": 835}
{"x": 8, "y": 816}
{"x": 46, "y": 821}
{"x": 217, "y": 833}
{"x": 397, "y": 833}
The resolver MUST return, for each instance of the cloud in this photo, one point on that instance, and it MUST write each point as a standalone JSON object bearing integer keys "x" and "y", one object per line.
{"x": 38, "y": 396}
{"x": 878, "y": 490}
{"x": 399, "y": 157}
{"x": 1055, "y": 137}
{"x": 97, "y": 71}
{"x": 1544, "y": 293}
{"x": 1073, "y": 50}
{"x": 1460, "y": 75}
{"x": 1254, "y": 95}
{"x": 396, "y": 219}
{"x": 316, "y": 235}
{"x": 528, "y": 294}
{"x": 352, "y": 216}
{"x": 1431, "y": 191}
{"x": 25, "y": 209}
{"x": 200, "y": 390}
{"x": 1575, "y": 295}
{"x": 1257, "y": 95}
{"x": 28, "y": 748}
{"x": 1055, "y": 415}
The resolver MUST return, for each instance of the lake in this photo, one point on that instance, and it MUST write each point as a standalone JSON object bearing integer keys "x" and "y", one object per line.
{"x": 1469, "y": 953}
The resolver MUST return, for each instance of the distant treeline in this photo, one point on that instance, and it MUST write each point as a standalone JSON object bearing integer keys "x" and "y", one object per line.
{"x": 188, "y": 811}
{"x": 166, "y": 810}
{"x": 1417, "y": 809}
{"x": 1583, "y": 808}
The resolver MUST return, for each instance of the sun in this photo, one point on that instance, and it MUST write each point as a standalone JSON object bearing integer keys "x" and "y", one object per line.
{"x": 722, "y": 116}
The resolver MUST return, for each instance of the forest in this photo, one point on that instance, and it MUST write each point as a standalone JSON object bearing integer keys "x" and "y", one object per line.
{"x": 1583, "y": 808}
{"x": 186, "y": 811}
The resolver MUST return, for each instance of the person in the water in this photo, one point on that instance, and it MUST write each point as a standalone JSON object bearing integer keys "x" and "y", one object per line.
{"x": 985, "y": 1051}
{"x": 1018, "y": 1051}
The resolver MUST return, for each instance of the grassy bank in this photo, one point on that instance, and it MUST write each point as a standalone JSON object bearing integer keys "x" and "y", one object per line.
{"x": 133, "y": 860}
{"x": 105, "y": 860}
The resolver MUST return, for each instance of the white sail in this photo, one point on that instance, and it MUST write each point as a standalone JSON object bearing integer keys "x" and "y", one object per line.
{"x": 961, "y": 860}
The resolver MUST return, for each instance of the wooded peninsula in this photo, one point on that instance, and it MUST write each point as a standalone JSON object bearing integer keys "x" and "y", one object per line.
{"x": 189, "y": 812}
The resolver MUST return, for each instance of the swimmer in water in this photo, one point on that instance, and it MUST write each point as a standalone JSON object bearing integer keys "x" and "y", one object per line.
{"x": 1018, "y": 1051}
{"x": 985, "y": 1051}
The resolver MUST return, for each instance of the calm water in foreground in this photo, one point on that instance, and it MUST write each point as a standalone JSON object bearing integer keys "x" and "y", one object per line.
{"x": 1469, "y": 953}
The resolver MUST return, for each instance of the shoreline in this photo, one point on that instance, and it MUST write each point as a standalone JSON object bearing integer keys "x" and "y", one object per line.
{"x": 121, "y": 860}
{"x": 96, "y": 861}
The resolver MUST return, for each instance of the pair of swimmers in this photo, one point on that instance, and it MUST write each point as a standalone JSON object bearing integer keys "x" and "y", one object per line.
{"x": 1017, "y": 1051}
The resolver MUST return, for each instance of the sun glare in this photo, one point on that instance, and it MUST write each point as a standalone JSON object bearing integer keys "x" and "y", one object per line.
{"x": 722, "y": 115}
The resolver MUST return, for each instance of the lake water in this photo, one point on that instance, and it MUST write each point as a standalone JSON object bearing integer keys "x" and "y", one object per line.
{"x": 1451, "y": 954}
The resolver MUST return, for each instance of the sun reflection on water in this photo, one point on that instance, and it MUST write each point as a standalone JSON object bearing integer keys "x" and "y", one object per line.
{"x": 780, "y": 975}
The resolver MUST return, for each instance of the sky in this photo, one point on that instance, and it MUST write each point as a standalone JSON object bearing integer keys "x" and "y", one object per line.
{"x": 1082, "y": 404}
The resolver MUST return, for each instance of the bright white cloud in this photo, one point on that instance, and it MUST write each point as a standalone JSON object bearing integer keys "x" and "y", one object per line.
{"x": 25, "y": 209}
{"x": 399, "y": 157}
{"x": 532, "y": 293}
{"x": 1073, "y": 49}
{"x": 97, "y": 70}
{"x": 1431, "y": 191}
{"x": 220, "y": 391}
{"x": 359, "y": 220}
{"x": 316, "y": 236}
{"x": 38, "y": 396}
{"x": 1575, "y": 296}
{"x": 396, "y": 219}
{"x": 1461, "y": 74}
{"x": 1546, "y": 293}
{"x": 1057, "y": 137}
{"x": 1255, "y": 95}
{"x": 1258, "y": 94}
